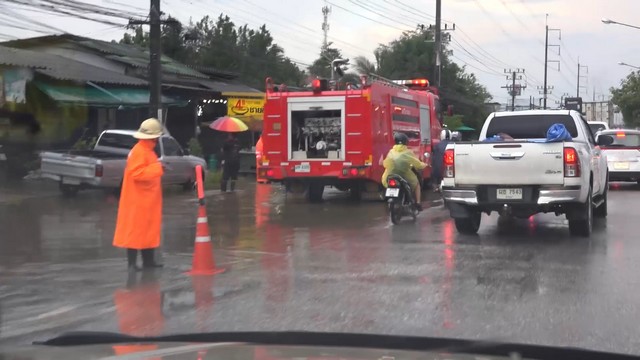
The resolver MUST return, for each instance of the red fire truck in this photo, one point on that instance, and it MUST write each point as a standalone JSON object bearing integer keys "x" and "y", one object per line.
{"x": 322, "y": 137}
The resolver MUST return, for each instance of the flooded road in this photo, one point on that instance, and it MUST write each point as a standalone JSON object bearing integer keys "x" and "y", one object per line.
{"x": 334, "y": 266}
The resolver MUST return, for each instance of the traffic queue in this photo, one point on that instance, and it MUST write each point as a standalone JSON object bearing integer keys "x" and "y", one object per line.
{"x": 356, "y": 139}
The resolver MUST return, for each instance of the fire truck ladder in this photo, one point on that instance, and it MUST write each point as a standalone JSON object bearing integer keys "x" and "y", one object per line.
{"x": 378, "y": 78}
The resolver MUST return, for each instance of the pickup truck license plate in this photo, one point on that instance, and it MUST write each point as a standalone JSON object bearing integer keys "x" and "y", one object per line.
{"x": 620, "y": 165}
{"x": 70, "y": 181}
{"x": 302, "y": 168}
{"x": 509, "y": 194}
{"x": 392, "y": 192}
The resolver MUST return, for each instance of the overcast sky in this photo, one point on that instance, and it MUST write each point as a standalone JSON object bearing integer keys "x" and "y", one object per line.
{"x": 490, "y": 35}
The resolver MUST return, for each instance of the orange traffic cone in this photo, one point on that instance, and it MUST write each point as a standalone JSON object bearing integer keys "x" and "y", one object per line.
{"x": 203, "y": 261}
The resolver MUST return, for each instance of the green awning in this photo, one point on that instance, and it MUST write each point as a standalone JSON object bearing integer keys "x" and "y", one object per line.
{"x": 101, "y": 97}
{"x": 465, "y": 128}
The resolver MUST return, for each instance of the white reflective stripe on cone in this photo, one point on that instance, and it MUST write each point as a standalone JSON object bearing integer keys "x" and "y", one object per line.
{"x": 203, "y": 238}
{"x": 202, "y": 220}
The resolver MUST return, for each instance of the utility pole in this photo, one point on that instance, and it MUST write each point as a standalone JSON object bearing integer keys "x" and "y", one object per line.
{"x": 546, "y": 57}
{"x": 326, "y": 10}
{"x": 580, "y": 76}
{"x": 514, "y": 89}
{"x": 155, "y": 50}
{"x": 546, "y": 88}
{"x": 438, "y": 39}
{"x": 155, "y": 66}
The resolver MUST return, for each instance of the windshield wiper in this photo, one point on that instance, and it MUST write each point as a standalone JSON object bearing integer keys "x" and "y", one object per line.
{"x": 368, "y": 341}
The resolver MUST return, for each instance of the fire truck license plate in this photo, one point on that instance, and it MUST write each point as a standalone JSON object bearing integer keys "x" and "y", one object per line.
{"x": 392, "y": 192}
{"x": 302, "y": 168}
{"x": 509, "y": 194}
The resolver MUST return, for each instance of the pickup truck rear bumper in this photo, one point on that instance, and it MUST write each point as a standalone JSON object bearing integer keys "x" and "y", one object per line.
{"x": 545, "y": 196}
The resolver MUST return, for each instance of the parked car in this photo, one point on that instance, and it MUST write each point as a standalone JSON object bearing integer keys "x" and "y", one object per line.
{"x": 623, "y": 154}
{"x": 525, "y": 174}
{"x": 103, "y": 167}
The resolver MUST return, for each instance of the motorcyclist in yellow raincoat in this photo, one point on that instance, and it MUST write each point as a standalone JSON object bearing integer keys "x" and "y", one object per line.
{"x": 400, "y": 161}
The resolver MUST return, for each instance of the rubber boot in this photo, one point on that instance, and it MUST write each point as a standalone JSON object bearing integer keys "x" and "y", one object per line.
{"x": 132, "y": 255}
{"x": 148, "y": 260}
{"x": 223, "y": 185}
{"x": 233, "y": 185}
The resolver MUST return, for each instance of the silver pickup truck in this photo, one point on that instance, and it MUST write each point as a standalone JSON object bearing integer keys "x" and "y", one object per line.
{"x": 103, "y": 167}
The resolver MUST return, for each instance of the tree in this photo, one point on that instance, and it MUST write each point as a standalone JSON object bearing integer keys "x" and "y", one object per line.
{"x": 219, "y": 43}
{"x": 627, "y": 98}
{"x": 321, "y": 67}
{"x": 364, "y": 66}
{"x": 173, "y": 44}
{"x": 139, "y": 37}
{"x": 412, "y": 56}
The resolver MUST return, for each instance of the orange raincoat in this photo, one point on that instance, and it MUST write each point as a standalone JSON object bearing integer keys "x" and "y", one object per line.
{"x": 259, "y": 150}
{"x": 140, "y": 210}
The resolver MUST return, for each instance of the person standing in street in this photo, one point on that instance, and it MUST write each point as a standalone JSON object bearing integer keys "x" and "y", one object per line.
{"x": 230, "y": 162}
{"x": 139, "y": 219}
{"x": 438, "y": 158}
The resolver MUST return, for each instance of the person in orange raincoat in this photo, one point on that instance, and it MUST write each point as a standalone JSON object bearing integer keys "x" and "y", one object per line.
{"x": 259, "y": 149}
{"x": 140, "y": 211}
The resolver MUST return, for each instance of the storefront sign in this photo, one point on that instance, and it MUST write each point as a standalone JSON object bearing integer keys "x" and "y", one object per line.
{"x": 245, "y": 107}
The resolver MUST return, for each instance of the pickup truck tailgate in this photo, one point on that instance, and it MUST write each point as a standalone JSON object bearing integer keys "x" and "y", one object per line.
{"x": 509, "y": 163}
{"x": 67, "y": 165}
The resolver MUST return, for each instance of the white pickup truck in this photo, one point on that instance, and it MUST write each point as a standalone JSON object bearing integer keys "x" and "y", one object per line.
{"x": 524, "y": 175}
{"x": 104, "y": 165}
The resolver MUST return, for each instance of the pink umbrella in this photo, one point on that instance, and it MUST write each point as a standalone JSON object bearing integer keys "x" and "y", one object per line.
{"x": 229, "y": 124}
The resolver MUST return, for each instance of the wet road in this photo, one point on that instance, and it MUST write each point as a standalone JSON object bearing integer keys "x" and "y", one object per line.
{"x": 336, "y": 266}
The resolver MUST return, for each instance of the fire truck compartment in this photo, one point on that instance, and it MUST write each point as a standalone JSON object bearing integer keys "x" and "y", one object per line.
{"x": 316, "y": 128}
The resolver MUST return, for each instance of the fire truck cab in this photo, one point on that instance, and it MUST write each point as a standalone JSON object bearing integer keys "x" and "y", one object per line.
{"x": 326, "y": 137}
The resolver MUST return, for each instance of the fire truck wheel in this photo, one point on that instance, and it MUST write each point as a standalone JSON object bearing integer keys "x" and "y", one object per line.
{"x": 315, "y": 192}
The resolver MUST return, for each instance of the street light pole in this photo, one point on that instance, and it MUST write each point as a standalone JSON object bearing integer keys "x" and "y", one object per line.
{"x": 631, "y": 66}
{"x": 609, "y": 21}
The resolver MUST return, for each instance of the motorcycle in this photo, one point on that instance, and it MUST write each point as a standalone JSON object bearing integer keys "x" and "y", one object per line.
{"x": 400, "y": 199}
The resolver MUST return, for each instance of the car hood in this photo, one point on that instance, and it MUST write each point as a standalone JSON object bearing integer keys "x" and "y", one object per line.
{"x": 202, "y": 351}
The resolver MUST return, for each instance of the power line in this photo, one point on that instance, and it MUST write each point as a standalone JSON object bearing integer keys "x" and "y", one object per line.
{"x": 410, "y": 14}
{"x": 366, "y": 17}
{"x": 475, "y": 67}
{"x": 515, "y": 15}
{"x": 367, "y": 8}
{"x": 493, "y": 71}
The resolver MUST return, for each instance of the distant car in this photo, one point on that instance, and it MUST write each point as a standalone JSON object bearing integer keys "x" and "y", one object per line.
{"x": 623, "y": 155}
{"x": 597, "y": 126}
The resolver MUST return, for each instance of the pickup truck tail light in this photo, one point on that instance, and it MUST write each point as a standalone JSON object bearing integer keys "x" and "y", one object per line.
{"x": 449, "y": 163}
{"x": 99, "y": 171}
{"x": 571, "y": 162}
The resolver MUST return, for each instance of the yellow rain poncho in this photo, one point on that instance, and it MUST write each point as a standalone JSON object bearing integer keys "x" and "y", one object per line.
{"x": 399, "y": 161}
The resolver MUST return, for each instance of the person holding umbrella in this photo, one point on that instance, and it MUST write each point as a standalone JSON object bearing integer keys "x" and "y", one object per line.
{"x": 230, "y": 162}
{"x": 230, "y": 149}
